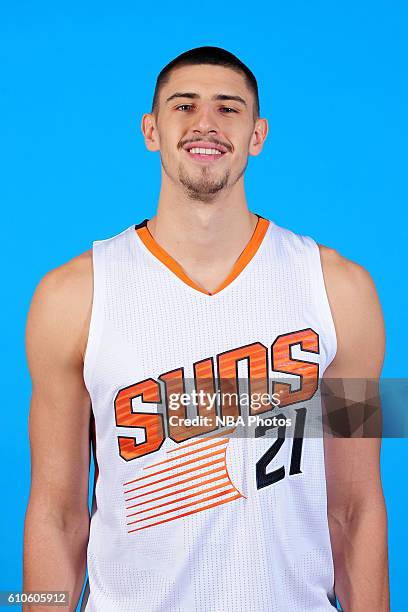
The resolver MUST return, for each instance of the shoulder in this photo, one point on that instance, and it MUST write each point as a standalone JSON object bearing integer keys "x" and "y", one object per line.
{"x": 345, "y": 275}
{"x": 356, "y": 311}
{"x": 68, "y": 285}
{"x": 61, "y": 305}
{"x": 74, "y": 271}
{"x": 347, "y": 282}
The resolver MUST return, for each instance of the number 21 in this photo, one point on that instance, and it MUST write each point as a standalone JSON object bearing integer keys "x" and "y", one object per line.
{"x": 264, "y": 479}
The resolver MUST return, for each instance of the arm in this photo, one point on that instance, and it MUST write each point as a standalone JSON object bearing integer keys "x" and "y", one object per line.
{"x": 356, "y": 508}
{"x": 57, "y": 517}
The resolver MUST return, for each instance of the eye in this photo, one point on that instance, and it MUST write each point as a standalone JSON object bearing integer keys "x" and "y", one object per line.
{"x": 183, "y": 107}
{"x": 228, "y": 109}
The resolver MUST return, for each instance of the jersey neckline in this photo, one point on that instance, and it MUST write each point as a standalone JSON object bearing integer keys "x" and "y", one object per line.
{"x": 247, "y": 254}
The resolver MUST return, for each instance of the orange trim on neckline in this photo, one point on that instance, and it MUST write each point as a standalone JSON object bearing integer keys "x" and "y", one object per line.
{"x": 245, "y": 257}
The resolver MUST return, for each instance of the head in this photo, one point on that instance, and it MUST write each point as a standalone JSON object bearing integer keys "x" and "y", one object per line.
{"x": 205, "y": 121}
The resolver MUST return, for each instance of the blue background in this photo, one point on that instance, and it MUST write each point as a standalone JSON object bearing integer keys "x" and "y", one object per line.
{"x": 75, "y": 81}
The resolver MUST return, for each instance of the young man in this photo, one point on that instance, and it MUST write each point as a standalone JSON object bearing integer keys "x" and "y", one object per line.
{"x": 186, "y": 517}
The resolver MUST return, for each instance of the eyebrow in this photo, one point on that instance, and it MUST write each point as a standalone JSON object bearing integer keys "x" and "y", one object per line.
{"x": 195, "y": 96}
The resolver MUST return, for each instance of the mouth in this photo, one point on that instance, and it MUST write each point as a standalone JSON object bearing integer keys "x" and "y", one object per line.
{"x": 205, "y": 151}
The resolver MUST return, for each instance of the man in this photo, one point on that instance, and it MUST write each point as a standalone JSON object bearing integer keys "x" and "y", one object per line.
{"x": 185, "y": 516}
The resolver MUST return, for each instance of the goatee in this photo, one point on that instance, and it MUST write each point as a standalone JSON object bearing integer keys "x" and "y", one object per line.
{"x": 205, "y": 187}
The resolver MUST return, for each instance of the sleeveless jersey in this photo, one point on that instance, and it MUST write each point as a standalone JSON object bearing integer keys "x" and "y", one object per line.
{"x": 220, "y": 515}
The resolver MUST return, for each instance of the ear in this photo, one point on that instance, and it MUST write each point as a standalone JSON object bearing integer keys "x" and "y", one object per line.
{"x": 150, "y": 132}
{"x": 258, "y": 136}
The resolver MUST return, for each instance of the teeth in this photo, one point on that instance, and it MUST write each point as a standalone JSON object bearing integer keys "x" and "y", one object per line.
{"x": 205, "y": 151}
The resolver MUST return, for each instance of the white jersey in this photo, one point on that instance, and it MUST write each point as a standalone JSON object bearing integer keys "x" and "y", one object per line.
{"x": 216, "y": 514}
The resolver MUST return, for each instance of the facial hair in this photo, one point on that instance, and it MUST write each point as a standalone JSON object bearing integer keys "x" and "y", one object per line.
{"x": 205, "y": 187}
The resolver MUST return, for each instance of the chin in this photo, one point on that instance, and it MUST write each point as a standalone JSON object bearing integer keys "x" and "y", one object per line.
{"x": 205, "y": 184}
{"x": 205, "y": 188}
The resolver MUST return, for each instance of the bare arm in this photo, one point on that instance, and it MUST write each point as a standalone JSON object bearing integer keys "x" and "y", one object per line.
{"x": 356, "y": 508}
{"x": 57, "y": 517}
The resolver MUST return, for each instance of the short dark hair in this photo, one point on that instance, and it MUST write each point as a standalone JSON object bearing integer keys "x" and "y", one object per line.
{"x": 207, "y": 55}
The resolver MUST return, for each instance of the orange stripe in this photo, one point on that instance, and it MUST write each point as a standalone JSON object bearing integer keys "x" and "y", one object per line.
{"x": 195, "y": 477}
{"x": 179, "y": 465}
{"x": 194, "y": 503}
{"x": 218, "y": 503}
{"x": 194, "y": 469}
{"x": 193, "y": 486}
{"x": 178, "y": 499}
{"x": 242, "y": 261}
{"x": 197, "y": 450}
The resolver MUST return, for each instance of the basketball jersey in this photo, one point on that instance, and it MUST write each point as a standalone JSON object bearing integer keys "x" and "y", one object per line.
{"x": 221, "y": 515}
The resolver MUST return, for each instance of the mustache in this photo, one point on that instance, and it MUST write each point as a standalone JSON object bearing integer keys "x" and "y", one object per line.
{"x": 215, "y": 141}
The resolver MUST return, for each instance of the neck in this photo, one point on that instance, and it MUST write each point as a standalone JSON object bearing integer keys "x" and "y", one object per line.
{"x": 202, "y": 233}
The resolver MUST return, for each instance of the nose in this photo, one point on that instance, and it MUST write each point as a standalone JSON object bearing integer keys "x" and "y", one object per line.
{"x": 205, "y": 121}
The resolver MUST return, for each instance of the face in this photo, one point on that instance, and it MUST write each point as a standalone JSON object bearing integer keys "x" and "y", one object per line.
{"x": 204, "y": 129}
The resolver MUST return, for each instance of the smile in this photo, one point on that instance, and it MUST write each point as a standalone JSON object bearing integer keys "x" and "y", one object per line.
{"x": 205, "y": 151}
{"x": 198, "y": 151}
{"x": 204, "y": 154}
